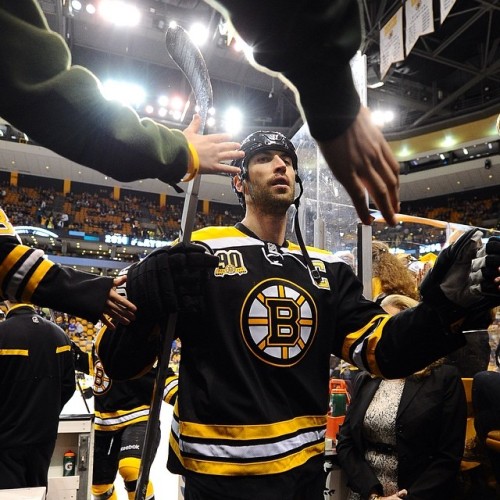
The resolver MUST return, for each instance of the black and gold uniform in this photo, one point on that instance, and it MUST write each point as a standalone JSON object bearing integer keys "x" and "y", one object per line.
{"x": 26, "y": 275}
{"x": 121, "y": 413}
{"x": 255, "y": 365}
{"x": 37, "y": 378}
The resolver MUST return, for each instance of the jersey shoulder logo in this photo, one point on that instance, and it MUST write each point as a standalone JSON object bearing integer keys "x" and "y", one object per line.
{"x": 102, "y": 383}
{"x": 278, "y": 322}
{"x": 230, "y": 263}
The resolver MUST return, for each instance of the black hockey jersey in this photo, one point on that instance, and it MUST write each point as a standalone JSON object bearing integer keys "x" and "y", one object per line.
{"x": 26, "y": 275}
{"x": 119, "y": 403}
{"x": 255, "y": 368}
{"x": 37, "y": 377}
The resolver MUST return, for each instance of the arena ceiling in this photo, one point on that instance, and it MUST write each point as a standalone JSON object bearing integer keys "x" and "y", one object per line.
{"x": 450, "y": 77}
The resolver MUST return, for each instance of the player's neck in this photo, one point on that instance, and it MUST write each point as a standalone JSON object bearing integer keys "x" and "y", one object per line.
{"x": 267, "y": 227}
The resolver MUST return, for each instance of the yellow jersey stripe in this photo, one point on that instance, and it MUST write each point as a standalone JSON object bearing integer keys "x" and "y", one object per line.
{"x": 248, "y": 432}
{"x": 14, "y": 352}
{"x": 10, "y": 260}
{"x": 267, "y": 466}
{"x": 35, "y": 279}
{"x": 64, "y": 348}
{"x": 352, "y": 338}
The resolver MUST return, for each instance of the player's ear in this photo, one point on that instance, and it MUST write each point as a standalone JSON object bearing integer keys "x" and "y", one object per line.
{"x": 238, "y": 183}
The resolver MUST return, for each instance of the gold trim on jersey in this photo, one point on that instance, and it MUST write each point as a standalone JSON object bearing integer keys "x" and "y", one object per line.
{"x": 243, "y": 432}
{"x": 248, "y": 449}
{"x": 33, "y": 260}
{"x": 14, "y": 352}
{"x": 115, "y": 420}
{"x": 365, "y": 340}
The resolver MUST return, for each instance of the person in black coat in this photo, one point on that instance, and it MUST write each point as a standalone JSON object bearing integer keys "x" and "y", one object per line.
{"x": 413, "y": 427}
{"x": 37, "y": 378}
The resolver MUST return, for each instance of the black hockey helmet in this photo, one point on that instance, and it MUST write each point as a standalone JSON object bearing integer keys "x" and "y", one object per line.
{"x": 263, "y": 140}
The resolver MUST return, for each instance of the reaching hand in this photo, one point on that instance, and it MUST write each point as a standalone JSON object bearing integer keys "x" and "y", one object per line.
{"x": 213, "y": 149}
{"x": 117, "y": 307}
{"x": 361, "y": 158}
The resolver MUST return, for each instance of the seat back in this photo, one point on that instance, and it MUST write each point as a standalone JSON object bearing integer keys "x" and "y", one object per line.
{"x": 468, "y": 461}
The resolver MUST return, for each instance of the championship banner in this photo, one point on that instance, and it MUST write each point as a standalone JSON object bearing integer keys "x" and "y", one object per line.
{"x": 446, "y": 6}
{"x": 419, "y": 21}
{"x": 391, "y": 42}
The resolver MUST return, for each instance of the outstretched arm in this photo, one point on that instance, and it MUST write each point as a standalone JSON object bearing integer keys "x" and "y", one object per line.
{"x": 311, "y": 47}
{"x": 62, "y": 108}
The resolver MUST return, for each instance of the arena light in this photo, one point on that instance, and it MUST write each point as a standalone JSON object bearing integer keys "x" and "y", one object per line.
{"x": 76, "y": 5}
{"x": 120, "y": 13}
{"x": 382, "y": 117}
{"x": 233, "y": 120}
{"x": 199, "y": 34}
{"x": 124, "y": 92}
{"x": 163, "y": 100}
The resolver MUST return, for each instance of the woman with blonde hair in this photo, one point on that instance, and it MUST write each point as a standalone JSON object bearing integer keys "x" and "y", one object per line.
{"x": 390, "y": 275}
{"x": 404, "y": 438}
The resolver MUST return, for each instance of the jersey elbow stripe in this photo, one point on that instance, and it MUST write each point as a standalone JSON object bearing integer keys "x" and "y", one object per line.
{"x": 21, "y": 272}
{"x": 63, "y": 348}
{"x": 360, "y": 346}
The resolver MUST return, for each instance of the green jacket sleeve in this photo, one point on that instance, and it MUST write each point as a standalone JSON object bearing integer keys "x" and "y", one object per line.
{"x": 62, "y": 108}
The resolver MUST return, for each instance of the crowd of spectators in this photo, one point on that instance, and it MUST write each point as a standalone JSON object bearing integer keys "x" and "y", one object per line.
{"x": 136, "y": 215}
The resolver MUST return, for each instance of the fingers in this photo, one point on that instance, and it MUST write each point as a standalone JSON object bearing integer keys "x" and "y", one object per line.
{"x": 194, "y": 126}
{"x": 106, "y": 321}
{"x": 119, "y": 308}
{"x": 362, "y": 160}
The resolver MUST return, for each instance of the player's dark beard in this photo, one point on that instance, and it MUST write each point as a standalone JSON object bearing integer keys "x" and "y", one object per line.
{"x": 268, "y": 203}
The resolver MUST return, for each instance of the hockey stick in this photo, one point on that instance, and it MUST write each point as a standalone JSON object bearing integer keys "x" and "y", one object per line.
{"x": 190, "y": 60}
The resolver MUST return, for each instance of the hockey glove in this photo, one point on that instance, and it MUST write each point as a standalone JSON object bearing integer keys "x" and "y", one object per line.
{"x": 191, "y": 267}
{"x": 448, "y": 287}
{"x": 169, "y": 280}
{"x": 485, "y": 268}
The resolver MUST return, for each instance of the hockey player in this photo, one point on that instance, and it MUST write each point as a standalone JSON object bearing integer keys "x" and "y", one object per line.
{"x": 27, "y": 275}
{"x": 61, "y": 107}
{"x": 37, "y": 378}
{"x": 257, "y": 336}
{"x": 121, "y": 416}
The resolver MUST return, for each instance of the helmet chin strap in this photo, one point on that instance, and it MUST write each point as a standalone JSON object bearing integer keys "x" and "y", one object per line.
{"x": 314, "y": 272}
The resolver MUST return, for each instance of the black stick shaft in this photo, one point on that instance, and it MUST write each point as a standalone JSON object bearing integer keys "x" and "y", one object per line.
{"x": 190, "y": 60}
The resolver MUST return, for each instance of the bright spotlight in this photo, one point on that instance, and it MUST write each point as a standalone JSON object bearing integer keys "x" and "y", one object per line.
{"x": 176, "y": 103}
{"x": 90, "y": 8}
{"x": 126, "y": 93}
{"x": 163, "y": 100}
{"x": 199, "y": 34}
{"x": 120, "y": 13}
{"x": 210, "y": 121}
{"x": 233, "y": 120}
{"x": 77, "y": 5}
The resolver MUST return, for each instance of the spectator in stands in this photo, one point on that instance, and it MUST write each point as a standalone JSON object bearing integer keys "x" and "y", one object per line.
{"x": 389, "y": 274}
{"x": 404, "y": 438}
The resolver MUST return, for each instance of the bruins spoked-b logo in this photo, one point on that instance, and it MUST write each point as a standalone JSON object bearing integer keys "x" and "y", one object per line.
{"x": 278, "y": 322}
{"x": 102, "y": 382}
